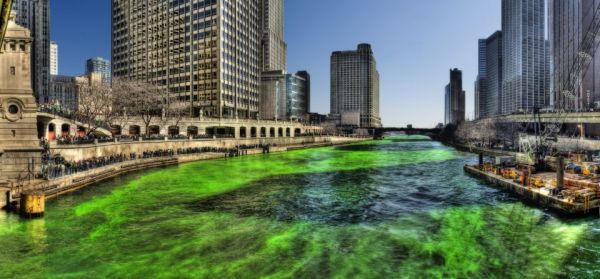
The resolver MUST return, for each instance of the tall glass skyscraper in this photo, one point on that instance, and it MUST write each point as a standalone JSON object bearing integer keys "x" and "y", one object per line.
{"x": 525, "y": 56}
{"x": 488, "y": 87}
{"x": 101, "y": 66}
{"x": 568, "y": 23}
{"x": 35, "y": 16}
{"x": 480, "y": 82}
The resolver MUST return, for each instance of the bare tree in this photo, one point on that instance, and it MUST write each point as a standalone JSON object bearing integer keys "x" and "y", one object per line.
{"x": 94, "y": 106}
{"x": 143, "y": 100}
{"x": 121, "y": 113}
{"x": 175, "y": 112}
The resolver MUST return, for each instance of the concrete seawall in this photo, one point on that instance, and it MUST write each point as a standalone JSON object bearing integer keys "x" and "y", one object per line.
{"x": 56, "y": 187}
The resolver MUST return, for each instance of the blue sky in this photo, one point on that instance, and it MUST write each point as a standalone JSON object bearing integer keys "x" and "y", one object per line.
{"x": 416, "y": 42}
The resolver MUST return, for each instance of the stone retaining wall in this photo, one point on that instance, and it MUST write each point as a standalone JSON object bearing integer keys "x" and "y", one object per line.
{"x": 82, "y": 152}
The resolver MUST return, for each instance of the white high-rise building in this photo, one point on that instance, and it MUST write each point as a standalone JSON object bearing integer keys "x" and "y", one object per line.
{"x": 207, "y": 53}
{"x": 525, "y": 56}
{"x": 53, "y": 58}
{"x": 274, "y": 48}
{"x": 355, "y": 87}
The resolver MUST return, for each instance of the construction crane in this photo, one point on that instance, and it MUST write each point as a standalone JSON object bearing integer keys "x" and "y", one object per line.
{"x": 569, "y": 85}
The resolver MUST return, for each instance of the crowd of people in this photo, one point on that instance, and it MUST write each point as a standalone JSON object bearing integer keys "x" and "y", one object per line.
{"x": 198, "y": 150}
{"x": 87, "y": 139}
{"x": 56, "y": 166}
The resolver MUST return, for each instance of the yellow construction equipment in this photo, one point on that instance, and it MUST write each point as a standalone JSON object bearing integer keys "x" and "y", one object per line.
{"x": 536, "y": 182}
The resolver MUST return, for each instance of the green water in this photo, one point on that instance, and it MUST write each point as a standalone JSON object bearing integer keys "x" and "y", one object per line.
{"x": 399, "y": 208}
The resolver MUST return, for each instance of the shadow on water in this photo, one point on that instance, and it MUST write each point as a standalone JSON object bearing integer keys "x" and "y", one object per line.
{"x": 358, "y": 196}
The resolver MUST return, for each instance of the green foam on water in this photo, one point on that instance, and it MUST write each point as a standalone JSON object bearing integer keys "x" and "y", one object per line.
{"x": 144, "y": 228}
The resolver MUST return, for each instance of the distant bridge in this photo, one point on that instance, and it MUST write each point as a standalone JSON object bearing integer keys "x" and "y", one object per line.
{"x": 379, "y": 132}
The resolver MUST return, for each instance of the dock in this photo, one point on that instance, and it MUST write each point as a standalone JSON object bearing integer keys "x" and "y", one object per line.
{"x": 540, "y": 196}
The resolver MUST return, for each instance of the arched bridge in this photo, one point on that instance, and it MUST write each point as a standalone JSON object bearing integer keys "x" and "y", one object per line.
{"x": 379, "y": 132}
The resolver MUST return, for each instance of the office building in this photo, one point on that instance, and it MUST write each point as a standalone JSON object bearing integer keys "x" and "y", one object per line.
{"x": 306, "y": 76}
{"x": 35, "y": 16}
{"x": 355, "y": 88}
{"x": 53, "y": 58}
{"x": 525, "y": 65}
{"x": 568, "y": 23}
{"x": 273, "y": 46}
{"x": 101, "y": 66}
{"x": 488, "y": 86}
{"x": 65, "y": 91}
{"x": 480, "y": 82}
{"x": 454, "y": 99}
{"x": 283, "y": 96}
{"x": 205, "y": 53}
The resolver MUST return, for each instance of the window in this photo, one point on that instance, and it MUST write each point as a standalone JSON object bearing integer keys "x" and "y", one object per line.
{"x": 13, "y": 109}
{"x": 13, "y": 71}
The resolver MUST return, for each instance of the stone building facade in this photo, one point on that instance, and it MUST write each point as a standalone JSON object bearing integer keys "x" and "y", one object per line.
{"x": 19, "y": 147}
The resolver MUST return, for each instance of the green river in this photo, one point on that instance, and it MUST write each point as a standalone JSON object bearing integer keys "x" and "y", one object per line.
{"x": 397, "y": 208}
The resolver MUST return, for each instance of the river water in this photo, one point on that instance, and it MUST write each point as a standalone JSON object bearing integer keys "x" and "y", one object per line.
{"x": 397, "y": 208}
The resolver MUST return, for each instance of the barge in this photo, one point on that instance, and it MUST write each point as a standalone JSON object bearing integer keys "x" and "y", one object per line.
{"x": 579, "y": 197}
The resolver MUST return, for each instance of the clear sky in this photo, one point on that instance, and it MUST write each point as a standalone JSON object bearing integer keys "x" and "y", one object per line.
{"x": 416, "y": 42}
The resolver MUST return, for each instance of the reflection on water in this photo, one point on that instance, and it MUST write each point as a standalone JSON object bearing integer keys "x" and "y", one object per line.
{"x": 398, "y": 208}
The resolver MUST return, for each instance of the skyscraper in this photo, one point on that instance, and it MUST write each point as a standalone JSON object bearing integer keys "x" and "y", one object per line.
{"x": 568, "y": 23}
{"x": 101, "y": 66}
{"x": 524, "y": 56}
{"x": 480, "y": 82}
{"x": 35, "y": 16}
{"x": 488, "y": 87}
{"x": 207, "y": 54}
{"x": 274, "y": 48}
{"x": 355, "y": 87}
{"x": 53, "y": 58}
{"x": 454, "y": 99}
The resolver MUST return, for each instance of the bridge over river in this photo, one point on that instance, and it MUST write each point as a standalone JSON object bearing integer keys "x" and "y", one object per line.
{"x": 378, "y": 133}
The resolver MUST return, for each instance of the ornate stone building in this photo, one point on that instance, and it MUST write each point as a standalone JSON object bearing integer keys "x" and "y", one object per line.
{"x": 19, "y": 146}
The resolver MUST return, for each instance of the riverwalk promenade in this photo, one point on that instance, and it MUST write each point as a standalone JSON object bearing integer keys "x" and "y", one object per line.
{"x": 64, "y": 184}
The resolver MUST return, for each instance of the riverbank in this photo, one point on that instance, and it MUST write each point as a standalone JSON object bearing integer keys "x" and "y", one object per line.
{"x": 479, "y": 150}
{"x": 67, "y": 184}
